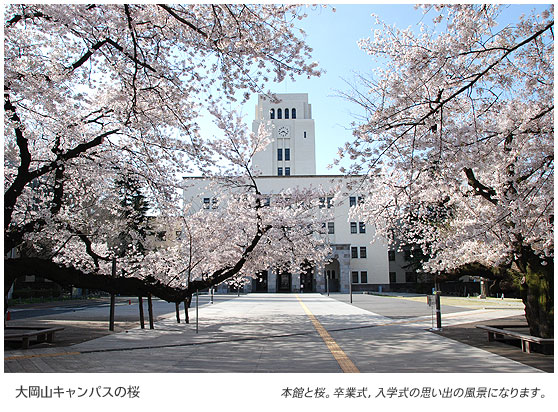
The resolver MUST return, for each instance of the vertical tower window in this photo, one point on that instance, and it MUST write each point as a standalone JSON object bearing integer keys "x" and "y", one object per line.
{"x": 293, "y": 114}
{"x": 354, "y": 252}
{"x": 352, "y": 201}
{"x": 361, "y": 227}
{"x": 272, "y": 114}
{"x": 305, "y": 135}
{"x": 353, "y": 227}
{"x": 363, "y": 252}
{"x": 330, "y": 228}
{"x": 279, "y": 114}
{"x": 280, "y": 154}
{"x": 286, "y": 113}
{"x": 287, "y": 153}
{"x": 279, "y": 171}
{"x": 355, "y": 277}
{"x": 287, "y": 171}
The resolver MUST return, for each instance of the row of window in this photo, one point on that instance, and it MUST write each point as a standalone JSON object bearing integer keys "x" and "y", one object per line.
{"x": 363, "y": 277}
{"x": 287, "y": 154}
{"x": 280, "y": 171}
{"x": 410, "y": 277}
{"x": 280, "y": 113}
{"x": 356, "y": 249}
{"x": 209, "y": 202}
{"x": 361, "y": 227}
{"x": 353, "y": 200}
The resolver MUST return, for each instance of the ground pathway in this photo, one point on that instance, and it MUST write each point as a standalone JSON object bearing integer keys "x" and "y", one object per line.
{"x": 289, "y": 333}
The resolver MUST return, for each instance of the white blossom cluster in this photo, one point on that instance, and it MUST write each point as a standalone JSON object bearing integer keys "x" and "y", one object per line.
{"x": 95, "y": 92}
{"x": 458, "y": 144}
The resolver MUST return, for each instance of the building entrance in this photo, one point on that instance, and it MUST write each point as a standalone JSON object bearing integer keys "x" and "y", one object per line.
{"x": 307, "y": 284}
{"x": 283, "y": 282}
{"x": 261, "y": 282}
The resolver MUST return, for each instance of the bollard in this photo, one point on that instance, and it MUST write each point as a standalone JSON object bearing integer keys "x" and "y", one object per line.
{"x": 112, "y": 299}
{"x": 196, "y": 311}
{"x": 142, "y": 320}
{"x": 438, "y": 312}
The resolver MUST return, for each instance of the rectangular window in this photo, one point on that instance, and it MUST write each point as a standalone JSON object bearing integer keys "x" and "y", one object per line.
{"x": 392, "y": 277}
{"x": 352, "y": 201}
{"x": 355, "y": 277}
{"x": 354, "y": 252}
{"x": 410, "y": 277}
{"x": 287, "y": 154}
{"x": 287, "y": 171}
{"x": 322, "y": 202}
{"x": 364, "y": 277}
{"x": 329, "y": 202}
{"x": 206, "y": 202}
{"x": 267, "y": 201}
{"x": 279, "y": 154}
{"x": 214, "y": 203}
{"x": 353, "y": 227}
{"x": 363, "y": 252}
{"x": 305, "y": 135}
{"x": 360, "y": 199}
{"x": 279, "y": 171}
{"x": 391, "y": 255}
{"x": 361, "y": 227}
{"x": 330, "y": 228}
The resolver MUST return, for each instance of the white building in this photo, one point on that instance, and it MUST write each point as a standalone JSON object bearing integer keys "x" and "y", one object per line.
{"x": 290, "y": 161}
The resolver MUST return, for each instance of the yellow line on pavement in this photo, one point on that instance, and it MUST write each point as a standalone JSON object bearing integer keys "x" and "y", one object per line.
{"x": 342, "y": 359}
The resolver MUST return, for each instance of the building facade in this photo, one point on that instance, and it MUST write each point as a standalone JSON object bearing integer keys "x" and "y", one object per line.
{"x": 289, "y": 161}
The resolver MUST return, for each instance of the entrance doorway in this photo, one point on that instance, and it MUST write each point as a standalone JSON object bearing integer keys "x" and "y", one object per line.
{"x": 331, "y": 272}
{"x": 283, "y": 282}
{"x": 261, "y": 281}
{"x": 307, "y": 280}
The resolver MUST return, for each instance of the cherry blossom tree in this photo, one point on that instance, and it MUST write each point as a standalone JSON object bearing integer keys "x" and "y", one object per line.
{"x": 96, "y": 92}
{"x": 458, "y": 144}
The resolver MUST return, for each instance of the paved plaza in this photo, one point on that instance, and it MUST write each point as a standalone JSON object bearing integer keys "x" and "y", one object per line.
{"x": 286, "y": 333}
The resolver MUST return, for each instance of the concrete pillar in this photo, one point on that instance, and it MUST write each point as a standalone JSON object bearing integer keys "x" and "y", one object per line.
{"x": 343, "y": 256}
{"x": 319, "y": 280}
{"x": 271, "y": 281}
{"x": 295, "y": 282}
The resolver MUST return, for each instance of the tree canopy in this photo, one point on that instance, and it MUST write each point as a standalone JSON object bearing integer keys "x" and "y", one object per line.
{"x": 458, "y": 140}
{"x": 94, "y": 93}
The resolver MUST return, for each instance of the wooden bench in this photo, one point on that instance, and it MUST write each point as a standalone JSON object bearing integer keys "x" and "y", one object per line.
{"x": 499, "y": 333}
{"x": 25, "y": 333}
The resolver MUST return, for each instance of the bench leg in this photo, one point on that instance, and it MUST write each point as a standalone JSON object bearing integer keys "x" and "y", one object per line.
{"x": 41, "y": 337}
{"x": 490, "y": 336}
{"x": 526, "y": 346}
{"x": 25, "y": 342}
{"x": 50, "y": 336}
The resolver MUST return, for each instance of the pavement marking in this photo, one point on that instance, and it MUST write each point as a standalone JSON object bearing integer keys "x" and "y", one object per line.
{"x": 342, "y": 359}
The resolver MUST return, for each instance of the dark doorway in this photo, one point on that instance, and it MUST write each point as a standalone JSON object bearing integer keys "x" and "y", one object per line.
{"x": 283, "y": 282}
{"x": 333, "y": 280}
{"x": 306, "y": 280}
{"x": 261, "y": 281}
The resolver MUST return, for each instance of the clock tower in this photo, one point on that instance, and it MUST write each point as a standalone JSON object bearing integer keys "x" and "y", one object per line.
{"x": 292, "y": 150}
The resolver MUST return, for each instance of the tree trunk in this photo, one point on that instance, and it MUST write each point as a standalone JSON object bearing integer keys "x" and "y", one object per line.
{"x": 537, "y": 293}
